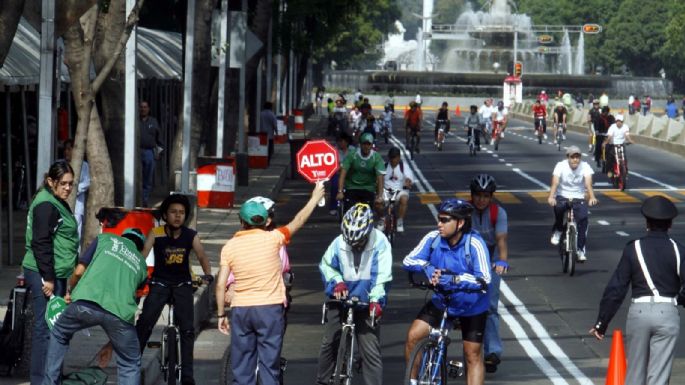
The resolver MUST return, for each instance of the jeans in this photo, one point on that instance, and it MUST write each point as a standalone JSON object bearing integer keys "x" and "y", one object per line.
{"x": 41, "y": 333}
{"x": 80, "y": 315}
{"x": 184, "y": 317}
{"x": 580, "y": 214}
{"x": 256, "y": 339}
{"x": 367, "y": 340}
{"x": 148, "y": 162}
{"x": 492, "y": 342}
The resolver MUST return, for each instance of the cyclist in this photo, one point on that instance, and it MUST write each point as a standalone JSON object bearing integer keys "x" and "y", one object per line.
{"x": 560, "y": 114}
{"x": 398, "y": 177}
{"x": 442, "y": 117}
{"x": 474, "y": 123}
{"x": 358, "y": 263}
{"x": 540, "y": 117}
{"x": 490, "y": 220}
{"x": 486, "y": 111}
{"x": 386, "y": 118}
{"x": 361, "y": 175}
{"x": 602, "y": 124}
{"x": 340, "y": 116}
{"x": 592, "y": 116}
{"x": 499, "y": 117}
{"x": 572, "y": 179}
{"x": 543, "y": 97}
{"x": 617, "y": 135}
{"x": 365, "y": 108}
{"x": 390, "y": 102}
{"x": 370, "y": 126}
{"x": 412, "y": 123}
{"x": 456, "y": 247}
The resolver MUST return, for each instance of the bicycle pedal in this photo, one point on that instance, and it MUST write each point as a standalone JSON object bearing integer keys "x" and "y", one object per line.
{"x": 283, "y": 364}
{"x": 455, "y": 369}
{"x": 154, "y": 344}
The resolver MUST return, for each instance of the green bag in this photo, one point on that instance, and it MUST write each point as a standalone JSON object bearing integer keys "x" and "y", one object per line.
{"x": 92, "y": 375}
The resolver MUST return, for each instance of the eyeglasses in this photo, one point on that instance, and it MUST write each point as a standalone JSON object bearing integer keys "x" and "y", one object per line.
{"x": 445, "y": 219}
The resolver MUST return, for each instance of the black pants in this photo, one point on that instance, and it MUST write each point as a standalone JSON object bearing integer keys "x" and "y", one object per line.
{"x": 183, "y": 315}
{"x": 353, "y": 196}
{"x": 599, "y": 139}
{"x": 271, "y": 149}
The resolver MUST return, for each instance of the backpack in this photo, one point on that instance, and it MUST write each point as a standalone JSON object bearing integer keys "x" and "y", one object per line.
{"x": 92, "y": 375}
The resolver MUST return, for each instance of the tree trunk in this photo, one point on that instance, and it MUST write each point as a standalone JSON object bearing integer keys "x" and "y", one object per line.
{"x": 10, "y": 13}
{"x": 100, "y": 193}
{"x": 202, "y": 88}
{"x": 67, "y": 12}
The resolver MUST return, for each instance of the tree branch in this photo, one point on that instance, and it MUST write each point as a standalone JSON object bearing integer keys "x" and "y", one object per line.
{"x": 130, "y": 23}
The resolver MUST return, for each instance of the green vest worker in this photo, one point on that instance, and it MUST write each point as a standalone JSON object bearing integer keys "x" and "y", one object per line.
{"x": 104, "y": 287}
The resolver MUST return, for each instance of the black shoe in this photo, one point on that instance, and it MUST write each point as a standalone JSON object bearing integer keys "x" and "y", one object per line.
{"x": 491, "y": 362}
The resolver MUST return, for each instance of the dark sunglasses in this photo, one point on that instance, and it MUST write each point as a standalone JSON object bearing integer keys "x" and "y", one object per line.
{"x": 445, "y": 219}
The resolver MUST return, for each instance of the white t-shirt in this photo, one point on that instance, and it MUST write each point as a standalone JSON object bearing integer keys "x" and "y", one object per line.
{"x": 394, "y": 177}
{"x": 501, "y": 114}
{"x": 572, "y": 182}
{"x": 486, "y": 112}
{"x": 618, "y": 134}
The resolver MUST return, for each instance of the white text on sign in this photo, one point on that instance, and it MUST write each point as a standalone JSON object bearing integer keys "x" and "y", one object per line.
{"x": 317, "y": 160}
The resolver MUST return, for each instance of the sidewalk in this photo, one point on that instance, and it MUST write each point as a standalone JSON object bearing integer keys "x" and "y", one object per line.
{"x": 215, "y": 227}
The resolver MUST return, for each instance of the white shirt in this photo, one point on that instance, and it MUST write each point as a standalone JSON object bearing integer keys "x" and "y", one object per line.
{"x": 486, "y": 112}
{"x": 572, "y": 182}
{"x": 618, "y": 135}
{"x": 501, "y": 114}
{"x": 394, "y": 177}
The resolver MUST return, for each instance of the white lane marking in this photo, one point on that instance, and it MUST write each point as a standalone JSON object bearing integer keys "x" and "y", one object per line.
{"x": 509, "y": 165}
{"x": 501, "y": 160}
{"x": 601, "y": 184}
{"x": 544, "y": 337}
{"x": 495, "y": 156}
{"x": 664, "y": 185}
{"x": 603, "y": 222}
{"x": 538, "y": 359}
{"x": 530, "y": 178}
{"x": 522, "y": 337}
{"x": 622, "y": 233}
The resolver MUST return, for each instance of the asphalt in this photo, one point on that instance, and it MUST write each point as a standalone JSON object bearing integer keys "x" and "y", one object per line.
{"x": 215, "y": 226}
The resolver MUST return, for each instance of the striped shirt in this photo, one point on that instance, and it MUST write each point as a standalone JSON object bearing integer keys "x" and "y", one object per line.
{"x": 253, "y": 257}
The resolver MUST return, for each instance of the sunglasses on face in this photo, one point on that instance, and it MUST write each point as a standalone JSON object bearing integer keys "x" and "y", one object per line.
{"x": 445, "y": 219}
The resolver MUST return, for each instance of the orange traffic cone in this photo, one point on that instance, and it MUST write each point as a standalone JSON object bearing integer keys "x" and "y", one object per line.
{"x": 457, "y": 111}
{"x": 616, "y": 374}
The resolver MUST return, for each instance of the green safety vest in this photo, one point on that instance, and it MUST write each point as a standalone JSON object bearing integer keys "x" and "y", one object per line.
{"x": 112, "y": 277}
{"x": 65, "y": 241}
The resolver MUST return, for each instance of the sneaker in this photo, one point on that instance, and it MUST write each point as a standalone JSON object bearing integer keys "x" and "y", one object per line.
{"x": 435, "y": 143}
{"x": 581, "y": 256}
{"x": 544, "y": 136}
{"x": 333, "y": 212}
{"x": 400, "y": 225}
{"x": 555, "y": 238}
{"x": 501, "y": 134}
{"x": 555, "y": 141}
{"x": 491, "y": 362}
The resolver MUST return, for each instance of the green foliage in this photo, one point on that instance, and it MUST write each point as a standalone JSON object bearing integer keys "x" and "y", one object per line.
{"x": 672, "y": 53}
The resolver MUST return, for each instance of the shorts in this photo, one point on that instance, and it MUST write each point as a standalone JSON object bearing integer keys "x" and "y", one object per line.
{"x": 472, "y": 327}
{"x": 403, "y": 193}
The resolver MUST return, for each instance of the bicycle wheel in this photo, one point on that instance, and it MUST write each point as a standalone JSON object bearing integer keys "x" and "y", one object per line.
{"x": 572, "y": 250}
{"x": 431, "y": 370}
{"x": 497, "y": 143}
{"x": 226, "y": 374}
{"x": 563, "y": 253}
{"x": 622, "y": 174}
{"x": 342, "y": 372}
{"x": 171, "y": 356}
{"x": 390, "y": 228}
{"x": 539, "y": 136}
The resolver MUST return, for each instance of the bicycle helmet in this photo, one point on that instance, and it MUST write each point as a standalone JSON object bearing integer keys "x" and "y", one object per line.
{"x": 136, "y": 236}
{"x": 394, "y": 152}
{"x": 483, "y": 183}
{"x": 357, "y": 224}
{"x": 175, "y": 198}
{"x": 456, "y": 208}
{"x": 268, "y": 204}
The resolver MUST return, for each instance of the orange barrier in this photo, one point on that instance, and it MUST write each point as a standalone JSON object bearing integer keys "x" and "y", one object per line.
{"x": 216, "y": 182}
{"x": 616, "y": 374}
{"x": 281, "y": 135}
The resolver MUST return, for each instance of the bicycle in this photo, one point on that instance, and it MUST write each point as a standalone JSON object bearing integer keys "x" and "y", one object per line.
{"x": 390, "y": 217}
{"x": 471, "y": 141}
{"x": 619, "y": 173}
{"x": 385, "y": 131}
{"x": 540, "y": 125}
{"x": 412, "y": 141}
{"x": 428, "y": 363}
{"x": 559, "y": 129}
{"x": 497, "y": 133}
{"x": 345, "y": 361}
{"x": 568, "y": 247}
{"x": 440, "y": 134}
{"x": 170, "y": 361}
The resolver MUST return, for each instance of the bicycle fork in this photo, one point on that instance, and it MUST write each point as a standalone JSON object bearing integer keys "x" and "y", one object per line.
{"x": 175, "y": 371}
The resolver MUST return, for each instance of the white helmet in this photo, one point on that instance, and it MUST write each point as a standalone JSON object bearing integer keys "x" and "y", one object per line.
{"x": 357, "y": 224}
{"x": 618, "y": 117}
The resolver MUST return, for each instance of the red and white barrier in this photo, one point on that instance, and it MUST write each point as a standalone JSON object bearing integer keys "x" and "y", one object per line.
{"x": 299, "y": 120}
{"x": 216, "y": 184}
{"x": 258, "y": 151}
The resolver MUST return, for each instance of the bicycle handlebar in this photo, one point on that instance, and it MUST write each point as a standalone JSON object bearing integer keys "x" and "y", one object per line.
{"x": 437, "y": 289}
{"x": 350, "y": 302}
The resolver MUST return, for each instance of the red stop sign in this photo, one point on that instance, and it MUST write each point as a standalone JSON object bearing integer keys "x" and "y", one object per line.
{"x": 317, "y": 160}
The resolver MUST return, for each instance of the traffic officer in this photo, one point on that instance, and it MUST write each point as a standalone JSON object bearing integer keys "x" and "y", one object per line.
{"x": 651, "y": 265}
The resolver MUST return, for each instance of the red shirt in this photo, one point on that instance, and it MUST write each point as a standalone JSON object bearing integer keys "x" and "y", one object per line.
{"x": 539, "y": 110}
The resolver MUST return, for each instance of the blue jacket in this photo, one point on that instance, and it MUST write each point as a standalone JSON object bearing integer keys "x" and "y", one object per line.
{"x": 433, "y": 252}
{"x": 369, "y": 282}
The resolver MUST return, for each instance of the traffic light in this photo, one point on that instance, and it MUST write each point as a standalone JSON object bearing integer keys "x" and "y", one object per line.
{"x": 518, "y": 69}
{"x": 592, "y": 28}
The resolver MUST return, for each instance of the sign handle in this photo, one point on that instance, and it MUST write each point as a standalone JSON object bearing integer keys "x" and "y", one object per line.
{"x": 322, "y": 202}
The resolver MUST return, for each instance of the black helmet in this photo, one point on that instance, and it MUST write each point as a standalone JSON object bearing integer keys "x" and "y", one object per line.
{"x": 175, "y": 198}
{"x": 456, "y": 208}
{"x": 393, "y": 152}
{"x": 483, "y": 183}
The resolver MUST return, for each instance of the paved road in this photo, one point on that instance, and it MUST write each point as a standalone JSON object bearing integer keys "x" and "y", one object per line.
{"x": 545, "y": 314}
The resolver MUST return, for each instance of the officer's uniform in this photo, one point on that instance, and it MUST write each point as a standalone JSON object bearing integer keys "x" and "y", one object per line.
{"x": 652, "y": 267}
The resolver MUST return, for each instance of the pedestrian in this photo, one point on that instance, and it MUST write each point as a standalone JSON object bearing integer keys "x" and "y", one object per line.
{"x": 647, "y": 105}
{"x": 257, "y": 323}
{"x": 671, "y": 109}
{"x": 490, "y": 220}
{"x": 637, "y": 105}
{"x": 631, "y": 107}
{"x": 579, "y": 101}
{"x": 83, "y": 185}
{"x": 651, "y": 267}
{"x": 358, "y": 263}
{"x": 268, "y": 124}
{"x": 51, "y": 251}
{"x": 590, "y": 98}
{"x": 103, "y": 293}
{"x": 150, "y": 148}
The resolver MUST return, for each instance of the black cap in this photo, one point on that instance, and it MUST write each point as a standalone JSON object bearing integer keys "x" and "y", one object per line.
{"x": 658, "y": 207}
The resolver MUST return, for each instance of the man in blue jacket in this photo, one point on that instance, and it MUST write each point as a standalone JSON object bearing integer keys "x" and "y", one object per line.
{"x": 454, "y": 257}
{"x": 358, "y": 263}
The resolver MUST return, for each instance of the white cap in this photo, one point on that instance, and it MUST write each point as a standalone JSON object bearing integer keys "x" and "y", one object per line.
{"x": 618, "y": 117}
